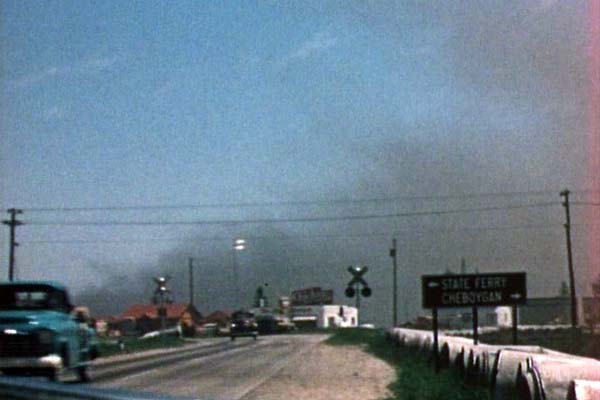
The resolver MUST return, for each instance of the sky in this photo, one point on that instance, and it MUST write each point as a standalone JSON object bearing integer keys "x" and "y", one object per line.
{"x": 260, "y": 111}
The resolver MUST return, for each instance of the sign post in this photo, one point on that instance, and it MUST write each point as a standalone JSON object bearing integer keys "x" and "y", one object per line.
{"x": 472, "y": 290}
{"x": 436, "y": 356}
{"x": 356, "y": 281}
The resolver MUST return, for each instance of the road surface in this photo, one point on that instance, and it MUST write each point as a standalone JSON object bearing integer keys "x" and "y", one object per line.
{"x": 227, "y": 375}
{"x": 298, "y": 366}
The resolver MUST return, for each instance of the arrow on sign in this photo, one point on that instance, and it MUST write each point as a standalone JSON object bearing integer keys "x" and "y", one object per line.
{"x": 433, "y": 284}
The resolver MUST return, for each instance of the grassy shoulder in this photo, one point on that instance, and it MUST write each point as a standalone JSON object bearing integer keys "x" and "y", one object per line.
{"x": 415, "y": 377}
{"x": 111, "y": 347}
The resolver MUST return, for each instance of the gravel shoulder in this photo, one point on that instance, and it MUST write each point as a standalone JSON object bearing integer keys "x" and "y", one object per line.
{"x": 328, "y": 372}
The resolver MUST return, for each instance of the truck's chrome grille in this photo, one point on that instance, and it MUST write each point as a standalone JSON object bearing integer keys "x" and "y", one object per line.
{"x": 22, "y": 345}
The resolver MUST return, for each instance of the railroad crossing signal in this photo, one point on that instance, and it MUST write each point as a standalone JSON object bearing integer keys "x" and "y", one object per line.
{"x": 357, "y": 279}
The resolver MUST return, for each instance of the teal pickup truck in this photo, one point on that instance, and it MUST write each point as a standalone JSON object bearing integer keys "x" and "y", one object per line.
{"x": 40, "y": 334}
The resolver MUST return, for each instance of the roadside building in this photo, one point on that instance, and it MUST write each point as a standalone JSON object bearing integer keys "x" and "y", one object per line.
{"x": 221, "y": 318}
{"x": 545, "y": 311}
{"x": 313, "y": 307}
{"x": 591, "y": 311}
{"x": 104, "y": 324}
{"x": 462, "y": 318}
{"x": 144, "y": 318}
{"x": 325, "y": 316}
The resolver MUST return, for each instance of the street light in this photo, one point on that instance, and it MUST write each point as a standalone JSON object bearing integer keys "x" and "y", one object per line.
{"x": 239, "y": 244}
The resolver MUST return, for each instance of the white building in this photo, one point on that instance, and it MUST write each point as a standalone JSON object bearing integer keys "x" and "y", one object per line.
{"x": 462, "y": 318}
{"x": 325, "y": 316}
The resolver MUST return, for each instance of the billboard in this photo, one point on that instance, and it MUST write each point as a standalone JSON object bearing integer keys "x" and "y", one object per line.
{"x": 312, "y": 296}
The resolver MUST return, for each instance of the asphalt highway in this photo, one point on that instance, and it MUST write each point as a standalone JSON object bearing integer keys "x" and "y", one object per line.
{"x": 228, "y": 373}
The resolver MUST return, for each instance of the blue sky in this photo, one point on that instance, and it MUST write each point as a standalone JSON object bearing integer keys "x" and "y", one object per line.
{"x": 107, "y": 94}
{"x": 143, "y": 103}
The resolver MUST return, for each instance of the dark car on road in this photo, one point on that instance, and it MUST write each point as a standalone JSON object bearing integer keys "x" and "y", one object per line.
{"x": 243, "y": 323}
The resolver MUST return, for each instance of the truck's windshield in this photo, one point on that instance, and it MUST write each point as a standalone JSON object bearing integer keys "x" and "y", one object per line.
{"x": 33, "y": 297}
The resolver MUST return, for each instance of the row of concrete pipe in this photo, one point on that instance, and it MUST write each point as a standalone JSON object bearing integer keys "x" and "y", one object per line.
{"x": 511, "y": 372}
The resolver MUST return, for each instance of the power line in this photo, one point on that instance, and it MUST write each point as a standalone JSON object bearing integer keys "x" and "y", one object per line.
{"x": 306, "y": 236}
{"x": 294, "y": 220}
{"x": 296, "y": 203}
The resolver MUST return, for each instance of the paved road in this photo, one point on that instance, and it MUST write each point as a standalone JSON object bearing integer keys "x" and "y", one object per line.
{"x": 227, "y": 375}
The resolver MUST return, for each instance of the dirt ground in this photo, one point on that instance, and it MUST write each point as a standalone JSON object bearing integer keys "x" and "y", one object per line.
{"x": 327, "y": 372}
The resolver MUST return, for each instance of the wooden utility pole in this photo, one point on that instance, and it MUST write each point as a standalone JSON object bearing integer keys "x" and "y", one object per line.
{"x": 191, "y": 265}
{"x": 12, "y": 223}
{"x": 565, "y": 195}
{"x": 393, "y": 254}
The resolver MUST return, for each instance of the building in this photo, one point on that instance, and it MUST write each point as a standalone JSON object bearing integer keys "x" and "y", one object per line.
{"x": 325, "y": 316}
{"x": 591, "y": 311}
{"x": 462, "y": 318}
{"x": 545, "y": 311}
{"x": 220, "y": 318}
{"x": 144, "y": 318}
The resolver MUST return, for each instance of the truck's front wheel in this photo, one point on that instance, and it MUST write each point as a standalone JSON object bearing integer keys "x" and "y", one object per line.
{"x": 83, "y": 373}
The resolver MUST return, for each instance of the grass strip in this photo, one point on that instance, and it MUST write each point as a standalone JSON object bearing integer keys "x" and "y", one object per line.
{"x": 415, "y": 376}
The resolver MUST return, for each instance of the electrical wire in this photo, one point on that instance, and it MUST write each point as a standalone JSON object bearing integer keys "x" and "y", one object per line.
{"x": 306, "y": 236}
{"x": 293, "y": 220}
{"x": 294, "y": 203}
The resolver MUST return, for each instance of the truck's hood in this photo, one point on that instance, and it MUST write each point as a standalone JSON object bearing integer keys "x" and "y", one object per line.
{"x": 30, "y": 319}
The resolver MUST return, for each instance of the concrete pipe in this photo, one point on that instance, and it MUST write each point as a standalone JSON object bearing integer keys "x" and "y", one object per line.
{"x": 553, "y": 374}
{"x": 527, "y": 384}
{"x": 444, "y": 357}
{"x": 584, "y": 390}
{"x": 487, "y": 354}
{"x": 504, "y": 373}
{"x": 456, "y": 350}
{"x": 476, "y": 364}
{"x": 413, "y": 342}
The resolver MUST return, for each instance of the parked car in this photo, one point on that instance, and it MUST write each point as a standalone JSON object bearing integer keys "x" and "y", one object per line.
{"x": 243, "y": 323}
{"x": 269, "y": 324}
{"x": 40, "y": 334}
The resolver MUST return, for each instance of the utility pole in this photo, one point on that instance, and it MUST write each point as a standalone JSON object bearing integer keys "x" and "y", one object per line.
{"x": 12, "y": 223}
{"x": 191, "y": 265}
{"x": 565, "y": 195}
{"x": 395, "y": 283}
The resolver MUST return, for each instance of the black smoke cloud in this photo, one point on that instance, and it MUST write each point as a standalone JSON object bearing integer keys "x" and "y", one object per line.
{"x": 524, "y": 63}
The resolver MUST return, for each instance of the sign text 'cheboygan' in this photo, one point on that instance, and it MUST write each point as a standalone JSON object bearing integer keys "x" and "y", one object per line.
{"x": 441, "y": 291}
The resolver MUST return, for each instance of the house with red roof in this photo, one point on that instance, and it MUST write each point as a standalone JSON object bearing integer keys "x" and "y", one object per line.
{"x": 145, "y": 318}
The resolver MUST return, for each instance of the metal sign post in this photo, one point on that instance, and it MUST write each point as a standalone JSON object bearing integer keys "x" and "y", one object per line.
{"x": 357, "y": 280}
{"x": 515, "y": 324}
{"x": 475, "y": 326}
{"x": 474, "y": 290}
{"x": 436, "y": 356}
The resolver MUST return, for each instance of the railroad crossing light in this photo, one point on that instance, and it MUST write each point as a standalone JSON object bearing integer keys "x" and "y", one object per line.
{"x": 366, "y": 291}
{"x": 350, "y": 292}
